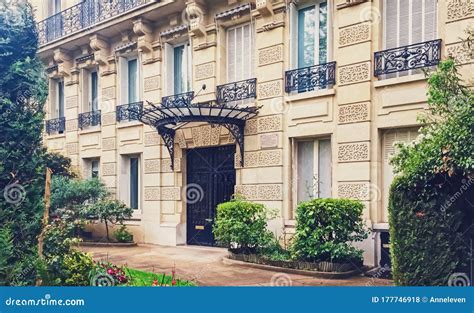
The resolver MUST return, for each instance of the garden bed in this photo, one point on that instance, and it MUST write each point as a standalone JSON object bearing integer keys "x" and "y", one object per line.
{"x": 328, "y": 270}
{"x": 107, "y": 244}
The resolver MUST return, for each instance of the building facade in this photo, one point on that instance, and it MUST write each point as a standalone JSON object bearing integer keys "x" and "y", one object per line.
{"x": 328, "y": 86}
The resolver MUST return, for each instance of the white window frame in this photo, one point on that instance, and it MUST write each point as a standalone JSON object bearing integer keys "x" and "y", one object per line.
{"x": 250, "y": 49}
{"x": 169, "y": 67}
{"x": 54, "y": 98}
{"x": 123, "y": 60}
{"x": 294, "y": 17}
{"x": 124, "y": 181}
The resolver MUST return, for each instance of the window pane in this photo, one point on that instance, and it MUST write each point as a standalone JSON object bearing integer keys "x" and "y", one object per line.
{"x": 324, "y": 169}
{"x": 179, "y": 70}
{"x": 323, "y": 32}
{"x": 132, "y": 81}
{"x": 306, "y": 36}
{"x": 95, "y": 168}
{"x": 134, "y": 183}
{"x": 94, "y": 95}
{"x": 305, "y": 175}
{"x": 61, "y": 99}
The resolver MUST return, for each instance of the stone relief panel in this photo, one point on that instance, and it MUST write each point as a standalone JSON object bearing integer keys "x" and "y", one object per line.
{"x": 353, "y": 152}
{"x": 166, "y": 165}
{"x": 108, "y": 169}
{"x": 170, "y": 193}
{"x": 270, "y": 55}
{"x": 152, "y": 166}
{"x": 358, "y": 191}
{"x": 354, "y": 34}
{"x": 205, "y": 70}
{"x": 206, "y": 135}
{"x": 108, "y": 143}
{"x": 72, "y": 148}
{"x": 108, "y": 93}
{"x": 271, "y": 192}
{"x": 180, "y": 140}
{"x": 351, "y": 113}
{"x": 251, "y": 127}
{"x": 152, "y": 139}
{"x": 71, "y": 125}
{"x": 260, "y": 158}
{"x": 152, "y": 83}
{"x": 460, "y": 53}
{"x": 72, "y": 102}
{"x": 355, "y": 73}
{"x": 270, "y": 89}
{"x": 269, "y": 123}
{"x": 459, "y": 9}
{"x": 152, "y": 193}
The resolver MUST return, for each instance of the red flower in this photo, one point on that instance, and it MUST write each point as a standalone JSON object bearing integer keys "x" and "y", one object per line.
{"x": 420, "y": 214}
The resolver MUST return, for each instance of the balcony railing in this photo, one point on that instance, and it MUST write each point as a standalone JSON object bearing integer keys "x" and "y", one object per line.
{"x": 178, "y": 100}
{"x": 241, "y": 90}
{"x": 56, "y": 126}
{"x": 89, "y": 119}
{"x": 310, "y": 78}
{"x": 407, "y": 58}
{"x": 128, "y": 112}
{"x": 83, "y": 15}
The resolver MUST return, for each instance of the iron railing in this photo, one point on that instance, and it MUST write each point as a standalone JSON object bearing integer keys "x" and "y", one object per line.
{"x": 83, "y": 15}
{"x": 89, "y": 119}
{"x": 179, "y": 100}
{"x": 128, "y": 112}
{"x": 407, "y": 58}
{"x": 310, "y": 78}
{"x": 241, "y": 90}
{"x": 56, "y": 126}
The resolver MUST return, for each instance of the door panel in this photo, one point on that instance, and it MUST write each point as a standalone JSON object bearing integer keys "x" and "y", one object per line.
{"x": 210, "y": 181}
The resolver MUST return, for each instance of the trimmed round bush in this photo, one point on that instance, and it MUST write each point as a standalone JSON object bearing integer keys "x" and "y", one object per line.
{"x": 326, "y": 227}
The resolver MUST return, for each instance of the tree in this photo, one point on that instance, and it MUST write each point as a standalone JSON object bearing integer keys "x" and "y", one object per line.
{"x": 432, "y": 200}
{"x": 23, "y": 92}
{"x": 110, "y": 211}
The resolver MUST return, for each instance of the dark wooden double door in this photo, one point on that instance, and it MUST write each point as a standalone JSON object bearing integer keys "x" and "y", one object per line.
{"x": 210, "y": 181}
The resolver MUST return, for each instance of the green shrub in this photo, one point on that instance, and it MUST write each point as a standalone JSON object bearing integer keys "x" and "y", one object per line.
{"x": 325, "y": 228}
{"x": 109, "y": 211}
{"x": 123, "y": 235}
{"x": 78, "y": 266}
{"x": 242, "y": 225}
{"x": 6, "y": 255}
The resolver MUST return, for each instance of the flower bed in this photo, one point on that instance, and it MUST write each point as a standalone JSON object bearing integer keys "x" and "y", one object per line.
{"x": 299, "y": 265}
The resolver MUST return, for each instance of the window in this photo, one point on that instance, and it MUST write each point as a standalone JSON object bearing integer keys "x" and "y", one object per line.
{"x": 390, "y": 137}
{"x": 60, "y": 99}
{"x": 240, "y": 53}
{"x": 309, "y": 34}
{"x": 130, "y": 80}
{"x": 408, "y": 22}
{"x": 178, "y": 68}
{"x": 90, "y": 90}
{"x": 313, "y": 169}
{"x": 94, "y": 168}
{"x": 130, "y": 183}
{"x": 54, "y": 6}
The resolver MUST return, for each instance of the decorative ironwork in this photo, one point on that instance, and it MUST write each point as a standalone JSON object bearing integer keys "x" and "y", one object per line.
{"x": 311, "y": 77}
{"x": 178, "y": 100}
{"x": 89, "y": 119}
{"x": 409, "y": 57}
{"x": 85, "y": 58}
{"x": 167, "y": 118}
{"x": 52, "y": 68}
{"x": 56, "y": 126}
{"x": 83, "y": 15}
{"x": 240, "y": 90}
{"x": 129, "y": 112}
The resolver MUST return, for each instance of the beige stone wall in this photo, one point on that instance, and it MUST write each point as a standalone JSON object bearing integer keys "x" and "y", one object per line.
{"x": 353, "y": 114}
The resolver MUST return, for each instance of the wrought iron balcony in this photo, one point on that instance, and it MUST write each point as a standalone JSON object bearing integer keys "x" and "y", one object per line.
{"x": 310, "y": 78}
{"x": 56, "y": 126}
{"x": 407, "y": 58}
{"x": 241, "y": 90}
{"x": 83, "y": 15}
{"x": 129, "y": 112}
{"x": 89, "y": 119}
{"x": 178, "y": 100}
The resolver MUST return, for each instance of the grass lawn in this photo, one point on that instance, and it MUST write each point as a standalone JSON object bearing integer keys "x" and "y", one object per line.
{"x": 140, "y": 278}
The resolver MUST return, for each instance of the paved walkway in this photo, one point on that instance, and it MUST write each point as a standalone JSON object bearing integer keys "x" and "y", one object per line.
{"x": 204, "y": 266}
